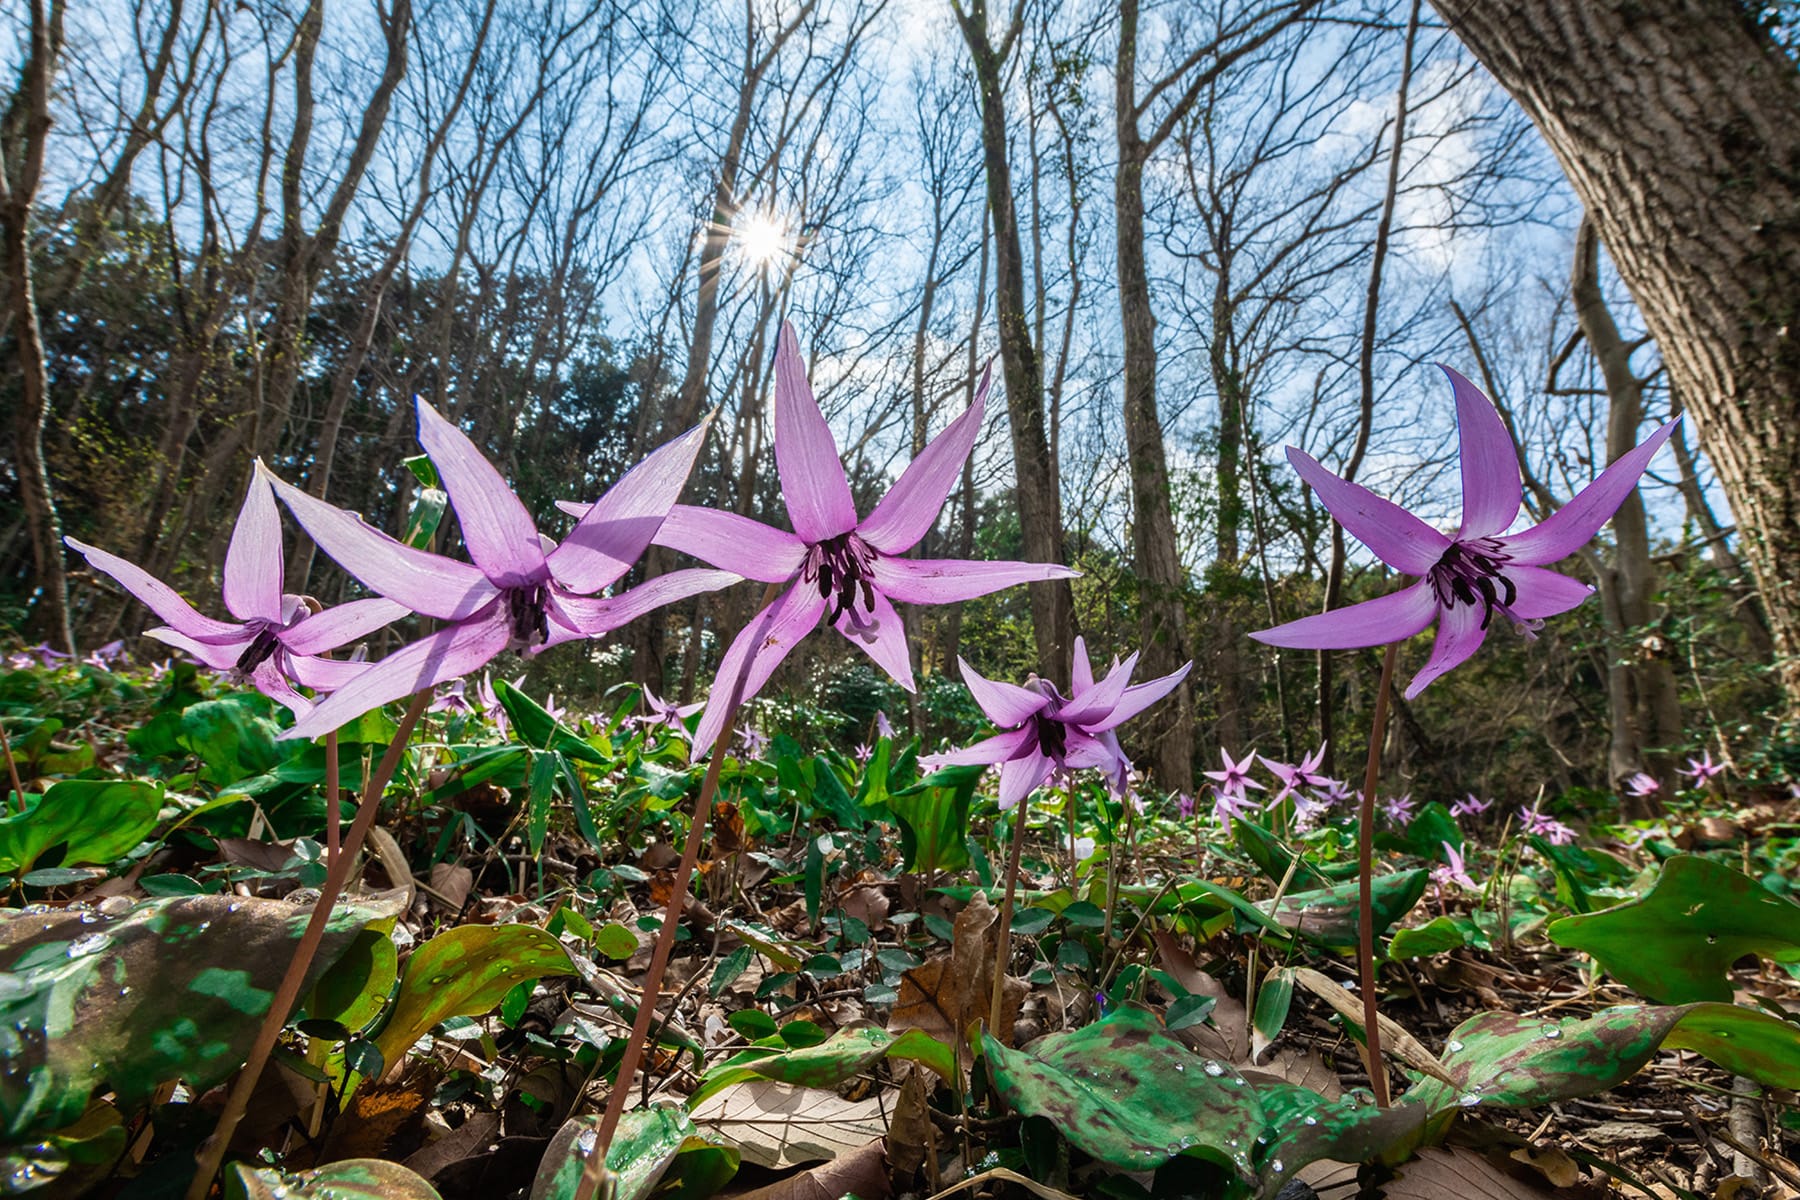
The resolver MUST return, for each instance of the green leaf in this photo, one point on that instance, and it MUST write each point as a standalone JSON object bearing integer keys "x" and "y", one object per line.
{"x": 1425, "y": 835}
{"x": 465, "y": 972}
{"x": 534, "y": 726}
{"x": 1271, "y": 857}
{"x": 1328, "y": 916}
{"x": 1304, "y": 1127}
{"x": 1273, "y": 1000}
{"x": 173, "y": 988}
{"x": 1434, "y": 937}
{"x": 231, "y": 737}
{"x": 933, "y": 815}
{"x": 829, "y": 1063}
{"x": 351, "y": 1179}
{"x": 356, "y": 988}
{"x": 648, "y": 1145}
{"x": 615, "y": 941}
{"x": 1676, "y": 943}
{"x": 1511, "y": 1061}
{"x": 70, "y": 1161}
{"x": 99, "y": 820}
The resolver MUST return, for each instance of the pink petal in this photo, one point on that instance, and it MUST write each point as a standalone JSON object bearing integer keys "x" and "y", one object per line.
{"x": 617, "y": 529}
{"x": 1570, "y": 527}
{"x": 885, "y": 643}
{"x": 910, "y": 508}
{"x": 501, "y": 536}
{"x": 591, "y": 616}
{"x": 159, "y": 596}
{"x": 1002, "y": 747}
{"x": 1460, "y": 634}
{"x": 220, "y": 656}
{"x": 253, "y": 560}
{"x": 1391, "y": 618}
{"x": 1490, "y": 464}
{"x": 341, "y": 625}
{"x": 322, "y": 674}
{"x": 753, "y": 656}
{"x": 1396, "y": 536}
{"x": 1091, "y": 703}
{"x": 448, "y": 654}
{"x": 268, "y": 679}
{"x": 426, "y": 583}
{"x": 1138, "y": 697}
{"x": 812, "y": 477}
{"x": 943, "y": 580}
{"x": 1081, "y": 670}
{"x": 1021, "y": 776}
{"x": 1006, "y": 704}
{"x": 1544, "y": 593}
{"x": 734, "y": 543}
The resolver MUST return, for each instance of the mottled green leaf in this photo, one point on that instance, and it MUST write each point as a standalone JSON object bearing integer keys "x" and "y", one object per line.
{"x": 1328, "y": 916}
{"x": 831, "y": 1062}
{"x": 1127, "y": 1093}
{"x": 356, "y": 988}
{"x": 648, "y": 1145}
{"x": 1510, "y": 1061}
{"x": 351, "y": 1179}
{"x": 1434, "y": 937}
{"x": 465, "y": 972}
{"x": 175, "y": 987}
{"x": 1676, "y": 943}
{"x": 1271, "y": 857}
{"x": 98, "y": 819}
{"x": 933, "y": 815}
{"x": 1305, "y": 1127}
{"x": 69, "y": 1162}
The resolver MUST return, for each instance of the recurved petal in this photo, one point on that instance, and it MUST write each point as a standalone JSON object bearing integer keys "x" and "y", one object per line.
{"x": 1400, "y": 539}
{"x": 1006, "y": 704}
{"x": 220, "y": 656}
{"x": 1002, "y": 747}
{"x": 595, "y": 615}
{"x": 341, "y": 625}
{"x": 944, "y": 580}
{"x": 1081, "y": 669}
{"x": 159, "y": 596}
{"x": 501, "y": 536}
{"x": 911, "y": 506}
{"x": 1460, "y": 634}
{"x": 448, "y": 654}
{"x": 1138, "y": 697}
{"x": 753, "y": 656}
{"x": 1544, "y": 593}
{"x": 806, "y": 456}
{"x": 1391, "y": 618}
{"x": 734, "y": 543}
{"x": 1490, "y": 463}
{"x": 253, "y": 566}
{"x": 322, "y": 674}
{"x": 426, "y": 583}
{"x": 268, "y": 679}
{"x": 1570, "y": 527}
{"x": 1091, "y": 703}
{"x": 618, "y": 527}
{"x": 1022, "y": 776}
{"x": 885, "y": 641}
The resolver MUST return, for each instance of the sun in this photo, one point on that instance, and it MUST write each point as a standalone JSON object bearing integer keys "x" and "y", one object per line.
{"x": 763, "y": 236}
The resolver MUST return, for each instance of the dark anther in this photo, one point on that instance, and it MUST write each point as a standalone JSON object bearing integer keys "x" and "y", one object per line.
{"x": 257, "y": 652}
{"x": 529, "y": 614}
{"x": 1052, "y": 737}
{"x": 1470, "y": 573}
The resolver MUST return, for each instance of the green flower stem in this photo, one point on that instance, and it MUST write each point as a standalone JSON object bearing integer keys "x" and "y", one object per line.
{"x": 212, "y": 1151}
{"x": 1365, "y": 871}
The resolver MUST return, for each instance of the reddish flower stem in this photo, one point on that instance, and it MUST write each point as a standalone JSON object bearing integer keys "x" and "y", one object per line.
{"x": 333, "y": 818}
{"x": 1003, "y": 939}
{"x": 12, "y": 770}
{"x": 1365, "y": 894}
{"x": 212, "y": 1151}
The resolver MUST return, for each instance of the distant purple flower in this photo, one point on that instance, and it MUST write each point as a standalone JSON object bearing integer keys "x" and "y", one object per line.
{"x": 1469, "y": 806}
{"x": 451, "y": 699}
{"x": 1236, "y": 776}
{"x": 49, "y": 655}
{"x": 1084, "y": 848}
{"x": 754, "y": 742}
{"x": 1184, "y": 805}
{"x": 1642, "y": 784}
{"x": 159, "y": 669}
{"x": 553, "y": 710}
{"x": 103, "y": 657}
{"x": 1703, "y": 770}
{"x": 1453, "y": 870}
{"x": 844, "y": 569}
{"x": 20, "y": 660}
{"x": 491, "y": 708}
{"x": 1333, "y": 791}
{"x": 883, "y": 726}
{"x": 666, "y": 713}
{"x": 1534, "y": 823}
{"x": 1303, "y": 775}
{"x": 1307, "y": 811}
{"x": 1399, "y": 810}
{"x": 277, "y": 638}
{"x": 1044, "y": 732}
{"x": 1483, "y": 570}
{"x": 1227, "y": 805}
{"x": 863, "y": 752}
{"x": 521, "y": 593}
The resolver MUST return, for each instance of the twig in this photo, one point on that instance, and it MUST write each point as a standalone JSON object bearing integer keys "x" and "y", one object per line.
{"x": 212, "y": 1151}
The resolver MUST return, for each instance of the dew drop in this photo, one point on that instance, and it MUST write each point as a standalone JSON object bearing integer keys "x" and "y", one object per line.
{"x": 1468, "y": 1100}
{"x": 1181, "y": 1066}
{"x": 1311, "y": 1120}
{"x": 1212, "y": 1068}
{"x": 1552, "y": 1031}
{"x": 89, "y": 943}
{"x": 1277, "y": 1166}
{"x": 1172, "y": 1149}
{"x": 1712, "y": 939}
{"x": 1453, "y": 1046}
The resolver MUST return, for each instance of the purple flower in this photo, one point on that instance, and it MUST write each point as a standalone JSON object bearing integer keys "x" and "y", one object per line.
{"x": 1642, "y": 784}
{"x": 1535, "y": 823}
{"x": 863, "y": 752}
{"x": 1229, "y": 804}
{"x": 1453, "y": 870}
{"x": 491, "y": 708}
{"x": 278, "y": 637}
{"x": 1303, "y": 775}
{"x": 159, "y": 669}
{"x": 666, "y": 712}
{"x": 1047, "y": 732}
{"x": 103, "y": 657}
{"x": 1469, "y": 806}
{"x": 1184, "y": 805}
{"x": 1483, "y": 570}
{"x": 754, "y": 741}
{"x": 883, "y": 726}
{"x": 1333, "y": 791}
{"x": 844, "y": 569}
{"x": 47, "y": 654}
{"x": 1702, "y": 770}
{"x": 522, "y": 592}
{"x": 1398, "y": 811}
{"x": 1235, "y": 777}
{"x": 451, "y": 698}
{"x": 1307, "y": 810}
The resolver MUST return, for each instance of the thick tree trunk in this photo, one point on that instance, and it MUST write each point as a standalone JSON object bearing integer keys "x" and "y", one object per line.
{"x": 1038, "y": 489}
{"x": 1678, "y": 124}
{"x": 1160, "y": 578}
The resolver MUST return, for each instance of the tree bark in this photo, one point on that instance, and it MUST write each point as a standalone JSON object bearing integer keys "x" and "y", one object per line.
{"x": 1678, "y": 124}
{"x": 1038, "y": 488}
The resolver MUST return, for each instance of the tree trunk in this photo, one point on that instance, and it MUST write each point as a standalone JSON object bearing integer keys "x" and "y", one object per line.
{"x": 1160, "y": 578}
{"x": 1678, "y": 124}
{"x": 1038, "y": 489}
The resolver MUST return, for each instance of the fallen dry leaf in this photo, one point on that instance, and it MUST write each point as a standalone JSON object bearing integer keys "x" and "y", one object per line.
{"x": 778, "y": 1125}
{"x": 945, "y": 996}
{"x": 862, "y": 1174}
